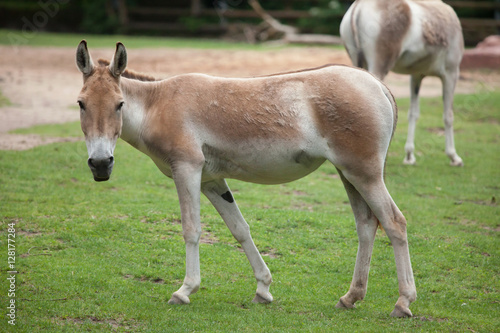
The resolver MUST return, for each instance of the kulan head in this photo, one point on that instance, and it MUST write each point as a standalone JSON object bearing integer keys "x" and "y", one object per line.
{"x": 101, "y": 103}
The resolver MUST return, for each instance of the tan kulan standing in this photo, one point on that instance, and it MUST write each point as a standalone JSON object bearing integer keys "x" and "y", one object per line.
{"x": 416, "y": 37}
{"x": 201, "y": 129}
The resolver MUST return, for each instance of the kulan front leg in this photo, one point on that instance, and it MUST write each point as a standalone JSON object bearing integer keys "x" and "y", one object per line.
{"x": 220, "y": 196}
{"x": 187, "y": 181}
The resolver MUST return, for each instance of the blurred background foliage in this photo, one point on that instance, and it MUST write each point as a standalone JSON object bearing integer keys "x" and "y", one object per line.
{"x": 206, "y": 18}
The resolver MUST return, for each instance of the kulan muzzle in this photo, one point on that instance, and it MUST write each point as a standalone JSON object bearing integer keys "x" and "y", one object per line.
{"x": 101, "y": 158}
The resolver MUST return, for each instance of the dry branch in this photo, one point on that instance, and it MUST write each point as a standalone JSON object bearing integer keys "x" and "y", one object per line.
{"x": 287, "y": 33}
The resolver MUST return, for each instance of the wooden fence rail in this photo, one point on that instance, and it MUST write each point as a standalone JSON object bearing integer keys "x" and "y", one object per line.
{"x": 172, "y": 18}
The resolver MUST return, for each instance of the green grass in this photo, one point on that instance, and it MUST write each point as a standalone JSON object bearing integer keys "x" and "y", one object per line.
{"x": 16, "y": 38}
{"x": 13, "y": 37}
{"x": 67, "y": 130}
{"x": 104, "y": 257}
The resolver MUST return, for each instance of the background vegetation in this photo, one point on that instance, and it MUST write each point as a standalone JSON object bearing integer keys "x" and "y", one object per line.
{"x": 177, "y": 18}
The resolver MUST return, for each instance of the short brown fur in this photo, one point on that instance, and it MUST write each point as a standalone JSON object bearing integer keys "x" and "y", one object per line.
{"x": 397, "y": 19}
{"x": 440, "y": 24}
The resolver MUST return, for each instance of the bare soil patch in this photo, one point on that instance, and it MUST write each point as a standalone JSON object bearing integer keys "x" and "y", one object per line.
{"x": 42, "y": 83}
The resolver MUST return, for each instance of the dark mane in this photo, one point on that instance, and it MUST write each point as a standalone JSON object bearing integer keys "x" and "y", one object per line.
{"x": 299, "y": 71}
{"x": 129, "y": 74}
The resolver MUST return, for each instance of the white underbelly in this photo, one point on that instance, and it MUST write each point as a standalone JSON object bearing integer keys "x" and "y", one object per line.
{"x": 266, "y": 164}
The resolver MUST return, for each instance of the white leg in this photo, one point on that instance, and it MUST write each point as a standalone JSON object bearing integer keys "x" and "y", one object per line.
{"x": 392, "y": 220}
{"x": 413, "y": 115}
{"x": 220, "y": 196}
{"x": 187, "y": 180}
{"x": 376, "y": 69}
{"x": 366, "y": 226}
{"x": 449, "y": 82}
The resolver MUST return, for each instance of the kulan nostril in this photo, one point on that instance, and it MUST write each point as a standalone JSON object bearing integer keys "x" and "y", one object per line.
{"x": 100, "y": 163}
{"x": 91, "y": 163}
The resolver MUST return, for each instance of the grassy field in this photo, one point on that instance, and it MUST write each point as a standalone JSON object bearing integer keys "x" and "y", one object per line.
{"x": 15, "y": 38}
{"x": 105, "y": 257}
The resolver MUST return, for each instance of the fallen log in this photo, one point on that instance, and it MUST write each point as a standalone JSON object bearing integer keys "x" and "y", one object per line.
{"x": 287, "y": 33}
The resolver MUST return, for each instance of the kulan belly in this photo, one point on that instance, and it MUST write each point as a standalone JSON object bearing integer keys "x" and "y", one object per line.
{"x": 413, "y": 63}
{"x": 267, "y": 165}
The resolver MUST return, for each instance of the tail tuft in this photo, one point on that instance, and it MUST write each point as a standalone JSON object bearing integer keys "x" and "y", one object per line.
{"x": 391, "y": 99}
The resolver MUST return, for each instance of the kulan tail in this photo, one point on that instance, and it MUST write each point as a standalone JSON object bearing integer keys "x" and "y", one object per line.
{"x": 360, "y": 56}
{"x": 392, "y": 100}
{"x": 390, "y": 97}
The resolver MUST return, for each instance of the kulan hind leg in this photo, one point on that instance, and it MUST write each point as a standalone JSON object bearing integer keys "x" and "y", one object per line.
{"x": 374, "y": 192}
{"x": 413, "y": 115}
{"x": 449, "y": 82}
{"x": 366, "y": 226}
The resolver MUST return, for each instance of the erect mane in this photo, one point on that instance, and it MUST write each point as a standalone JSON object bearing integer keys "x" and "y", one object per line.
{"x": 128, "y": 73}
{"x": 299, "y": 71}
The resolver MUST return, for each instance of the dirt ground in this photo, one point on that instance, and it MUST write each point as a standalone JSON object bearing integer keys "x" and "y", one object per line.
{"x": 42, "y": 84}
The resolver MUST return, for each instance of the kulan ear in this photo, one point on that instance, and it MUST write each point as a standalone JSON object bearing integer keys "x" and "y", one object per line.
{"x": 83, "y": 58}
{"x": 119, "y": 61}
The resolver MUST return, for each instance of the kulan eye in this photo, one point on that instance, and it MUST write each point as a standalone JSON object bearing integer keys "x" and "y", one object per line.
{"x": 119, "y": 107}
{"x": 82, "y": 106}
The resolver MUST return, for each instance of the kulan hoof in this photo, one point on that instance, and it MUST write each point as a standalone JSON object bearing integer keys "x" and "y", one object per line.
{"x": 401, "y": 312}
{"x": 179, "y": 299}
{"x": 409, "y": 161}
{"x": 457, "y": 162}
{"x": 263, "y": 299}
{"x": 342, "y": 305}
